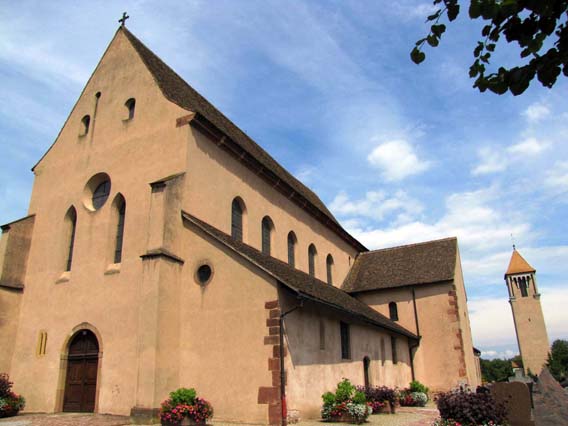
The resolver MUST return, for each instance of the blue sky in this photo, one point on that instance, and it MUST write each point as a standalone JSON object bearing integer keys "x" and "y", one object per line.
{"x": 401, "y": 153}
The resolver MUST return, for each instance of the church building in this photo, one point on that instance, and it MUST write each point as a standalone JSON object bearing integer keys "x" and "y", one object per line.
{"x": 164, "y": 248}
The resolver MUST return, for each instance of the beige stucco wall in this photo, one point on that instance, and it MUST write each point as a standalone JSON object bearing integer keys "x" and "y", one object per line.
{"x": 311, "y": 371}
{"x": 438, "y": 360}
{"x": 10, "y": 300}
{"x": 215, "y": 179}
{"x": 133, "y": 153}
{"x": 532, "y": 336}
{"x": 223, "y": 324}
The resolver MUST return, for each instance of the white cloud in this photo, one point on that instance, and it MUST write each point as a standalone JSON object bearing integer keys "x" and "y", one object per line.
{"x": 377, "y": 205}
{"x": 557, "y": 177}
{"x": 536, "y": 112}
{"x": 397, "y": 160}
{"x": 530, "y": 146}
{"x": 491, "y": 161}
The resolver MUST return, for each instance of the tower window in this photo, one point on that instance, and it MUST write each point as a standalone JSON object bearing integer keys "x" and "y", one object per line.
{"x": 523, "y": 283}
{"x": 267, "y": 227}
{"x": 345, "y": 340}
{"x": 130, "y": 105}
{"x": 292, "y": 240}
{"x": 329, "y": 269}
{"x": 393, "y": 311}
{"x": 312, "y": 253}
{"x": 85, "y": 123}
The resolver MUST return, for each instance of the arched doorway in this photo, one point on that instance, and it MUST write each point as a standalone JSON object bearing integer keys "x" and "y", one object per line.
{"x": 81, "y": 377}
{"x": 366, "y": 364}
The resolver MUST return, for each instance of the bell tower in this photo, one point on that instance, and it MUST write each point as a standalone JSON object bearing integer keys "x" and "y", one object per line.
{"x": 527, "y": 313}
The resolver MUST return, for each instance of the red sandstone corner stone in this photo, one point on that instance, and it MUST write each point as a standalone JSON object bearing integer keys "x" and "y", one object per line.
{"x": 271, "y": 340}
{"x": 274, "y": 414}
{"x": 273, "y": 364}
{"x": 276, "y": 351}
{"x": 274, "y": 313}
{"x": 274, "y": 331}
{"x": 276, "y": 378}
{"x": 272, "y": 322}
{"x": 268, "y": 395}
{"x": 271, "y": 305}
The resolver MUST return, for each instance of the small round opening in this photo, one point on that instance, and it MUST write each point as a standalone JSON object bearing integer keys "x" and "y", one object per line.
{"x": 204, "y": 273}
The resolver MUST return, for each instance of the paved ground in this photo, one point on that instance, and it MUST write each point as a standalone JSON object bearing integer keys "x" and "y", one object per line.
{"x": 405, "y": 416}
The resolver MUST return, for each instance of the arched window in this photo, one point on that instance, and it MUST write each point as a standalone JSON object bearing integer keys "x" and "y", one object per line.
{"x": 312, "y": 253}
{"x": 130, "y": 105}
{"x": 393, "y": 311}
{"x": 71, "y": 225}
{"x": 85, "y": 122}
{"x": 267, "y": 228}
{"x": 329, "y": 268}
{"x": 120, "y": 208}
{"x": 292, "y": 240}
{"x": 237, "y": 213}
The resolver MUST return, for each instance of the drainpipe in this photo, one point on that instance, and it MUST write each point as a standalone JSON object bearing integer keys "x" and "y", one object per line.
{"x": 411, "y": 347}
{"x": 282, "y": 372}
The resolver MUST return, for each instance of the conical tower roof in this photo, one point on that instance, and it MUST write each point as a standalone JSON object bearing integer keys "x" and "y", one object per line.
{"x": 518, "y": 265}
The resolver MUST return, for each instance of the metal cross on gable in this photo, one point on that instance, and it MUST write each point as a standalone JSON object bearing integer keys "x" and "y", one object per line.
{"x": 123, "y": 19}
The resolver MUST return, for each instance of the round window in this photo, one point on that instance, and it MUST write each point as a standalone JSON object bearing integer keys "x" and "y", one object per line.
{"x": 204, "y": 273}
{"x": 100, "y": 194}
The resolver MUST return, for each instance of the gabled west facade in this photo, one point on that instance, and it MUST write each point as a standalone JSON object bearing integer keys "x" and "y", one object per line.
{"x": 164, "y": 248}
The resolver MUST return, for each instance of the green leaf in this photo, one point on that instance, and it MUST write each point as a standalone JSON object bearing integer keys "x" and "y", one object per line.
{"x": 490, "y": 47}
{"x": 434, "y": 16}
{"x": 438, "y": 29}
{"x": 417, "y": 56}
{"x": 486, "y": 30}
{"x": 453, "y": 11}
{"x": 474, "y": 9}
{"x": 477, "y": 51}
{"x": 432, "y": 40}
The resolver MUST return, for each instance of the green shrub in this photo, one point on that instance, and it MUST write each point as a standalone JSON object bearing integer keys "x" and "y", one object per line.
{"x": 420, "y": 398}
{"x": 416, "y": 386}
{"x": 359, "y": 398}
{"x": 328, "y": 399}
{"x": 344, "y": 391}
{"x": 183, "y": 396}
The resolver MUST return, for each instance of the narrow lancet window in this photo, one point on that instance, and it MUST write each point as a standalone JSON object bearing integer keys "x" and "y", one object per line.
{"x": 237, "y": 213}
{"x": 312, "y": 253}
{"x": 267, "y": 227}
{"x": 292, "y": 240}
{"x": 329, "y": 268}
{"x": 85, "y": 123}
{"x": 130, "y": 105}
{"x": 393, "y": 311}
{"x": 71, "y": 222}
{"x": 121, "y": 213}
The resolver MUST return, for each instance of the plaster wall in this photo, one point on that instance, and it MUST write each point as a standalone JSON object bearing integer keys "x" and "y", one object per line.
{"x": 216, "y": 178}
{"x": 133, "y": 153}
{"x": 223, "y": 325}
{"x": 438, "y": 360}
{"x": 10, "y": 300}
{"x": 311, "y": 371}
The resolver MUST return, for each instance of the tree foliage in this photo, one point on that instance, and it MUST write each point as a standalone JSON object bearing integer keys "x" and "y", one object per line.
{"x": 539, "y": 27}
{"x": 558, "y": 360}
{"x": 496, "y": 370}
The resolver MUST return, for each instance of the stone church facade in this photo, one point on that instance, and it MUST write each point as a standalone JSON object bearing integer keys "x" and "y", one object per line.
{"x": 165, "y": 248}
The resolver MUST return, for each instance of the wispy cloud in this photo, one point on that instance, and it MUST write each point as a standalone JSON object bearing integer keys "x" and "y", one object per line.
{"x": 536, "y": 112}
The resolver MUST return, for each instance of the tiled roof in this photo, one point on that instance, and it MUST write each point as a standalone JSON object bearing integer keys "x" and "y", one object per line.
{"x": 423, "y": 263}
{"x": 518, "y": 265}
{"x": 182, "y": 94}
{"x": 301, "y": 282}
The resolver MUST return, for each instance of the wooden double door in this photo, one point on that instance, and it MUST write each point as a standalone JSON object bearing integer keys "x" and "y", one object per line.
{"x": 82, "y": 368}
